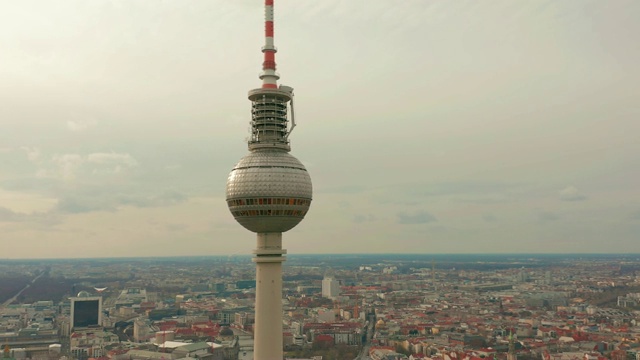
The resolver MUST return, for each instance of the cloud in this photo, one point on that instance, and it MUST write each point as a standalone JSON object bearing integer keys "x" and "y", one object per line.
{"x": 547, "y": 216}
{"x": 635, "y": 215}
{"x": 37, "y": 184}
{"x": 347, "y": 189}
{"x": 7, "y": 215}
{"x": 571, "y": 193}
{"x": 82, "y": 183}
{"x": 496, "y": 199}
{"x": 361, "y": 218}
{"x": 74, "y": 205}
{"x": 419, "y": 217}
{"x": 37, "y": 220}
{"x": 105, "y": 201}
{"x": 112, "y": 162}
{"x": 69, "y": 166}
{"x": 489, "y": 218}
{"x": 462, "y": 187}
{"x": 168, "y": 198}
{"x": 173, "y": 167}
{"x": 176, "y": 227}
{"x": 33, "y": 154}
{"x": 80, "y": 125}
{"x": 480, "y": 192}
{"x": 44, "y": 220}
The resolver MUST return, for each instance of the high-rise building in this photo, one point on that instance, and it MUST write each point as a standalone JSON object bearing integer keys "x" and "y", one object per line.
{"x": 269, "y": 192}
{"x": 86, "y": 311}
{"x": 330, "y": 287}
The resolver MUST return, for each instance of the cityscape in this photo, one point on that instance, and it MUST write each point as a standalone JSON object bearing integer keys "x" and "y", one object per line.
{"x": 439, "y": 307}
{"x": 463, "y": 185}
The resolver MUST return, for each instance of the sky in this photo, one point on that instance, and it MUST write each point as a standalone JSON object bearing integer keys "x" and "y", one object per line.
{"x": 426, "y": 126}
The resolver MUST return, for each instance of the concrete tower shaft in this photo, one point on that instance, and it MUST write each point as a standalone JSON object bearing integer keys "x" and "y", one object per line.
{"x": 268, "y": 326}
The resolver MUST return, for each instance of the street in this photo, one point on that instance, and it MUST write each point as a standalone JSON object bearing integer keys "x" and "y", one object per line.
{"x": 23, "y": 289}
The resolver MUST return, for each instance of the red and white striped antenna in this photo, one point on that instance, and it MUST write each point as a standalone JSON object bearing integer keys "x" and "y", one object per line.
{"x": 269, "y": 76}
{"x": 270, "y": 125}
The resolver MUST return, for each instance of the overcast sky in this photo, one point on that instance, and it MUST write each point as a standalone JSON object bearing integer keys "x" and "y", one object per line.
{"x": 427, "y": 126}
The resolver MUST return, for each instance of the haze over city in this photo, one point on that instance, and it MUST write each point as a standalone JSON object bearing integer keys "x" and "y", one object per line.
{"x": 427, "y": 127}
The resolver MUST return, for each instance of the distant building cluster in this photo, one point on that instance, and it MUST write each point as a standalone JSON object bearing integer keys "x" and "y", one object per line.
{"x": 413, "y": 312}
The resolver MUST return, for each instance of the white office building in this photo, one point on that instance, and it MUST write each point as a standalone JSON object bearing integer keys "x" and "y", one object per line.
{"x": 330, "y": 287}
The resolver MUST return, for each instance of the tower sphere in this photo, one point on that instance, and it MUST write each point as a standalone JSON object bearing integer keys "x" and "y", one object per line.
{"x": 269, "y": 191}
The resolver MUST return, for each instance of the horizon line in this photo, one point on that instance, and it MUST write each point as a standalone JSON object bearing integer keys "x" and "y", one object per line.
{"x": 626, "y": 254}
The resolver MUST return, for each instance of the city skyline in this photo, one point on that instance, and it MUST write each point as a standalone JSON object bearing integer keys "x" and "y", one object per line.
{"x": 447, "y": 127}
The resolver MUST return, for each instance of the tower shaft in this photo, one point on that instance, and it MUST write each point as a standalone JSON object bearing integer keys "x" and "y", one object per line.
{"x": 268, "y": 326}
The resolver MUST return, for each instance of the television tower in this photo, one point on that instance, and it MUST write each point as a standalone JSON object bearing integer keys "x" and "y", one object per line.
{"x": 269, "y": 192}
